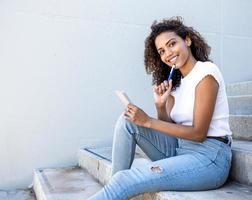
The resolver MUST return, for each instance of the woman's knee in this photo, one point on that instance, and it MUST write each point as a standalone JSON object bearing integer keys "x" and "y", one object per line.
{"x": 123, "y": 123}
{"x": 128, "y": 177}
{"x": 115, "y": 183}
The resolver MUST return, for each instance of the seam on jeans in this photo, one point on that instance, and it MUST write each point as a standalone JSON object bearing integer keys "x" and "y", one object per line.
{"x": 192, "y": 170}
{"x": 227, "y": 163}
{"x": 162, "y": 177}
{"x": 131, "y": 132}
{"x": 124, "y": 193}
{"x": 149, "y": 142}
{"x": 218, "y": 148}
{"x": 185, "y": 172}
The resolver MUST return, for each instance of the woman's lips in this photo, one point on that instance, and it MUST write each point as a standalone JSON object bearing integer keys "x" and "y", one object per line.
{"x": 173, "y": 60}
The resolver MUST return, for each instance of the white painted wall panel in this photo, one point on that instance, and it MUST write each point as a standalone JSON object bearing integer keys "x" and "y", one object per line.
{"x": 60, "y": 62}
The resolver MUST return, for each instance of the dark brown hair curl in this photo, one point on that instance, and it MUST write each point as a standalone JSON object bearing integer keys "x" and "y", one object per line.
{"x": 153, "y": 64}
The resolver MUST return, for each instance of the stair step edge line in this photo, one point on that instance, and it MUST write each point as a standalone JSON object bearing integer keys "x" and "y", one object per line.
{"x": 37, "y": 178}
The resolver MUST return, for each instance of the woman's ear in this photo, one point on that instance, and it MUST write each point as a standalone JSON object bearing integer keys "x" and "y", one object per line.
{"x": 188, "y": 41}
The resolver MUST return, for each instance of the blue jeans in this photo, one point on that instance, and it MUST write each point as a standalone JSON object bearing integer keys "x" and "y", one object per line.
{"x": 177, "y": 164}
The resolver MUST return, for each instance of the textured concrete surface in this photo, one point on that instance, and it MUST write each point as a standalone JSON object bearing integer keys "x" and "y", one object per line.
{"x": 240, "y": 98}
{"x": 241, "y": 126}
{"x": 94, "y": 163}
{"x": 231, "y": 191}
{"x": 64, "y": 184}
{"x": 17, "y": 195}
{"x": 241, "y": 170}
{"x": 241, "y": 88}
{"x": 240, "y": 105}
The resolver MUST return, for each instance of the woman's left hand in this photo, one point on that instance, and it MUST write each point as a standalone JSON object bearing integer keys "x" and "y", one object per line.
{"x": 137, "y": 116}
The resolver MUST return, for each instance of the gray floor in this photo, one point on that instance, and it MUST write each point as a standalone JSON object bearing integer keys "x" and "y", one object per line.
{"x": 17, "y": 195}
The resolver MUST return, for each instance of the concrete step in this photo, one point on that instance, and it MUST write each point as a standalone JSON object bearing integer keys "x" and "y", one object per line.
{"x": 241, "y": 88}
{"x": 71, "y": 183}
{"x": 97, "y": 161}
{"x": 240, "y": 105}
{"x": 100, "y": 167}
{"x": 241, "y": 170}
{"x": 17, "y": 195}
{"x": 241, "y": 126}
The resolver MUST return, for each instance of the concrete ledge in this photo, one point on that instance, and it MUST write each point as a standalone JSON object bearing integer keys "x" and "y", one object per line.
{"x": 231, "y": 191}
{"x": 241, "y": 88}
{"x": 241, "y": 170}
{"x": 38, "y": 181}
{"x": 98, "y": 167}
{"x": 240, "y": 105}
{"x": 241, "y": 126}
{"x": 64, "y": 184}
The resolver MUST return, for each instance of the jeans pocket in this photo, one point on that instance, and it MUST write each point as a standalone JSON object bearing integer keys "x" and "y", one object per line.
{"x": 224, "y": 158}
{"x": 207, "y": 149}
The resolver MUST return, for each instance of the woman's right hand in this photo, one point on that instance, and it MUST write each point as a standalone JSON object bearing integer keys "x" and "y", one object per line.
{"x": 161, "y": 93}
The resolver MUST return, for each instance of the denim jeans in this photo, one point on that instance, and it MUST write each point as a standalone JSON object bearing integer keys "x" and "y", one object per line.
{"x": 177, "y": 164}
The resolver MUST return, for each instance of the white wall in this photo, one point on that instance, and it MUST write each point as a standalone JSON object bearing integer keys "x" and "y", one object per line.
{"x": 60, "y": 62}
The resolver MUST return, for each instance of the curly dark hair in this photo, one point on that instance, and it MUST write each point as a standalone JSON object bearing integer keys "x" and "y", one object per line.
{"x": 153, "y": 64}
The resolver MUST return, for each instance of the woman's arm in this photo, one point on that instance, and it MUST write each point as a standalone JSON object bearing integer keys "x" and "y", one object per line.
{"x": 163, "y": 112}
{"x": 163, "y": 100}
{"x": 205, "y": 98}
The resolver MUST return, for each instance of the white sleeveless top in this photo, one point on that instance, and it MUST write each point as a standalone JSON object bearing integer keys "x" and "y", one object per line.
{"x": 184, "y": 95}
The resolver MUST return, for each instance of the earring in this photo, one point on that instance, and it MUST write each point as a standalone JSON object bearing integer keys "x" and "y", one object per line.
{"x": 188, "y": 43}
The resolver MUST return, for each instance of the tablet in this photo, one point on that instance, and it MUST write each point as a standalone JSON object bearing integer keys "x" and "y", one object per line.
{"x": 123, "y": 97}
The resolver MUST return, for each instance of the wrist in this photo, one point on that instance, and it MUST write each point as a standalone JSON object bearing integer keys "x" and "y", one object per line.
{"x": 148, "y": 123}
{"x": 160, "y": 106}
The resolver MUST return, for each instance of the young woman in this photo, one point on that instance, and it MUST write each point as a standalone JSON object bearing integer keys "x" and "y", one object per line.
{"x": 189, "y": 142}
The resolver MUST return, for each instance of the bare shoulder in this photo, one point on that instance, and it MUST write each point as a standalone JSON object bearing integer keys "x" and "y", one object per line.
{"x": 204, "y": 104}
{"x": 207, "y": 84}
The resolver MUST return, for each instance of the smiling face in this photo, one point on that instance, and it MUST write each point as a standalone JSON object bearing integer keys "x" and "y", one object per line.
{"x": 173, "y": 49}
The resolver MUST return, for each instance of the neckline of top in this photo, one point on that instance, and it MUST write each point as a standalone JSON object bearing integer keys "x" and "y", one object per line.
{"x": 190, "y": 73}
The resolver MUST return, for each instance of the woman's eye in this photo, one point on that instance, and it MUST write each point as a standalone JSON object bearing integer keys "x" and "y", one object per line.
{"x": 161, "y": 52}
{"x": 172, "y": 44}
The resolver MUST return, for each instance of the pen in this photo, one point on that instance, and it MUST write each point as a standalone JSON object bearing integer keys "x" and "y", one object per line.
{"x": 171, "y": 73}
